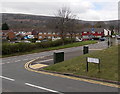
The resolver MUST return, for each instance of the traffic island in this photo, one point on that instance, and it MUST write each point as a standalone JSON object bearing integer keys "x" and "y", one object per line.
{"x": 71, "y": 76}
{"x": 77, "y": 66}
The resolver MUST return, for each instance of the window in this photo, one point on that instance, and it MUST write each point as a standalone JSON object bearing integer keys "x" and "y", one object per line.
{"x": 58, "y": 37}
{"x": 49, "y": 37}
{"x": 53, "y": 33}
{"x": 98, "y": 36}
{"x": 40, "y": 32}
{"x": 49, "y": 32}
{"x": 58, "y": 33}
{"x": 53, "y": 37}
{"x": 45, "y": 33}
{"x": 85, "y": 32}
{"x": 85, "y": 37}
{"x": 40, "y": 37}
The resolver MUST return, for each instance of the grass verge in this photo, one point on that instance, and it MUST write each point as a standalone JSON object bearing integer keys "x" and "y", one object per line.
{"x": 77, "y": 65}
{"x": 52, "y": 48}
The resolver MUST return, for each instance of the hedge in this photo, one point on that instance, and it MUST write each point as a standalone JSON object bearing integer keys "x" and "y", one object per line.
{"x": 8, "y": 48}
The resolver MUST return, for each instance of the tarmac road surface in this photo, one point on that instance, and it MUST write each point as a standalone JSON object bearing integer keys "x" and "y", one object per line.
{"x": 15, "y": 78}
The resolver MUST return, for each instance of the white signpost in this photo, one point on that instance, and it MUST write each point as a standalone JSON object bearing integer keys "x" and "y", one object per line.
{"x": 93, "y": 60}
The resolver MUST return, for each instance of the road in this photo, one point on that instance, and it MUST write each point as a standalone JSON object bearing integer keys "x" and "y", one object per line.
{"x": 15, "y": 78}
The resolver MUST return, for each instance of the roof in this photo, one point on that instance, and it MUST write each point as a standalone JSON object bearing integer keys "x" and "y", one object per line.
{"x": 94, "y": 29}
{"x": 4, "y": 31}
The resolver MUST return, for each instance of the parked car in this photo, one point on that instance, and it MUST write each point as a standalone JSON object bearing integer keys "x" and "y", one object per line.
{"x": 17, "y": 41}
{"x": 54, "y": 39}
{"x": 78, "y": 40}
{"x": 38, "y": 41}
{"x": 26, "y": 41}
{"x": 102, "y": 39}
{"x": 118, "y": 36}
{"x": 113, "y": 36}
{"x": 44, "y": 40}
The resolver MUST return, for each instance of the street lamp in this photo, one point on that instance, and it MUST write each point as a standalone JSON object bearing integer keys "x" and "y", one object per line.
{"x": 108, "y": 42}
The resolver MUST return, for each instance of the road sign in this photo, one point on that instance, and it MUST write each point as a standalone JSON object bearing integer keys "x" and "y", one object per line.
{"x": 92, "y": 29}
{"x": 93, "y": 60}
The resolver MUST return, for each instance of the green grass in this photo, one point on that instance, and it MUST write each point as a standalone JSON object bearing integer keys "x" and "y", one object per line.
{"x": 77, "y": 65}
{"x": 52, "y": 48}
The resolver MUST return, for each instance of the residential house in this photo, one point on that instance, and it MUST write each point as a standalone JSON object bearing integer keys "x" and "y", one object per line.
{"x": 107, "y": 32}
{"x": 53, "y": 34}
{"x": 35, "y": 33}
{"x": 8, "y": 34}
{"x": 92, "y": 33}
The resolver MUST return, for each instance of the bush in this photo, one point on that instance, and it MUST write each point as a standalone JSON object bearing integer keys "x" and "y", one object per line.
{"x": 8, "y": 48}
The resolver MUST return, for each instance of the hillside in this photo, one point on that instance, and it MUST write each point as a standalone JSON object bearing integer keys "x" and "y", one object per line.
{"x": 18, "y": 21}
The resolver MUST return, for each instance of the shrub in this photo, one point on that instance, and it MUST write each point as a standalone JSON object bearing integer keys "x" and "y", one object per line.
{"x": 8, "y": 48}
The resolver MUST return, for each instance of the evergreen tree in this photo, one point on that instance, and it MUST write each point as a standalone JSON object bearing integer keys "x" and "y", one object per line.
{"x": 5, "y": 26}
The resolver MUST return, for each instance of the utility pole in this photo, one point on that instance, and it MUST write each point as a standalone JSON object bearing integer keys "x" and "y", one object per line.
{"x": 118, "y": 28}
{"x": 118, "y": 16}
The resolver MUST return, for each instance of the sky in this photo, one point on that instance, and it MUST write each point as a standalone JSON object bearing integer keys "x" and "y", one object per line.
{"x": 89, "y": 10}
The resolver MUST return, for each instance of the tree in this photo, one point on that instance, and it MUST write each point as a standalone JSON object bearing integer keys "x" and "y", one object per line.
{"x": 64, "y": 22}
{"x": 112, "y": 29}
{"x": 100, "y": 24}
{"x": 5, "y": 26}
{"x": 87, "y": 25}
{"x": 72, "y": 25}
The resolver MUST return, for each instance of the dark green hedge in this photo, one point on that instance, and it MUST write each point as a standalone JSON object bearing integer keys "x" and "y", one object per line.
{"x": 8, "y": 48}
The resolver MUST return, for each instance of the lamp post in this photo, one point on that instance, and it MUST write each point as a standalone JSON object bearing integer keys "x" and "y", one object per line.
{"x": 108, "y": 42}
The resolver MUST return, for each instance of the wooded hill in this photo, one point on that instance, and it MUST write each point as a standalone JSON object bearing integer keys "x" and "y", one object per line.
{"x": 18, "y": 21}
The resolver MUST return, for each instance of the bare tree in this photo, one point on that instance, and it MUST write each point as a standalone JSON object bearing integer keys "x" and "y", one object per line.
{"x": 64, "y": 22}
{"x": 72, "y": 27}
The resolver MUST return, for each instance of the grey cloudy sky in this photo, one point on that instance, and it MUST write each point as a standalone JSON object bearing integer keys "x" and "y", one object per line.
{"x": 84, "y": 9}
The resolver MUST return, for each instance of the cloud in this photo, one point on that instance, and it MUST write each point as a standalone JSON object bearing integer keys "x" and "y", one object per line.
{"x": 84, "y": 9}
{"x": 59, "y": 0}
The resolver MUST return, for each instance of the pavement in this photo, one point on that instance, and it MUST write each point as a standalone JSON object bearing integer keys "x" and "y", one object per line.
{"x": 15, "y": 77}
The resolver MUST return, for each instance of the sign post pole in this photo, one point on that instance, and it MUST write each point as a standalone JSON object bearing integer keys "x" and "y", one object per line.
{"x": 87, "y": 67}
{"x": 93, "y": 60}
{"x": 99, "y": 66}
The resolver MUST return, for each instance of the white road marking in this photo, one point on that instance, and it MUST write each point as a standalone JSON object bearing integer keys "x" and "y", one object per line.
{"x": 50, "y": 90}
{"x": 8, "y": 62}
{"x": 17, "y": 60}
{"x": 7, "y": 78}
{"x": 25, "y": 59}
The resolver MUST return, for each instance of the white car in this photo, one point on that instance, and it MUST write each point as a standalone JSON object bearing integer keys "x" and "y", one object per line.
{"x": 113, "y": 36}
{"x": 38, "y": 41}
{"x": 26, "y": 41}
{"x": 78, "y": 40}
{"x": 118, "y": 37}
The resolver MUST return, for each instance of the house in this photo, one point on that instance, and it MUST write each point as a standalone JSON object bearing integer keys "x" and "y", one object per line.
{"x": 53, "y": 34}
{"x": 35, "y": 33}
{"x": 48, "y": 34}
{"x": 8, "y": 34}
{"x": 92, "y": 33}
{"x": 21, "y": 33}
{"x": 11, "y": 35}
{"x": 107, "y": 32}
